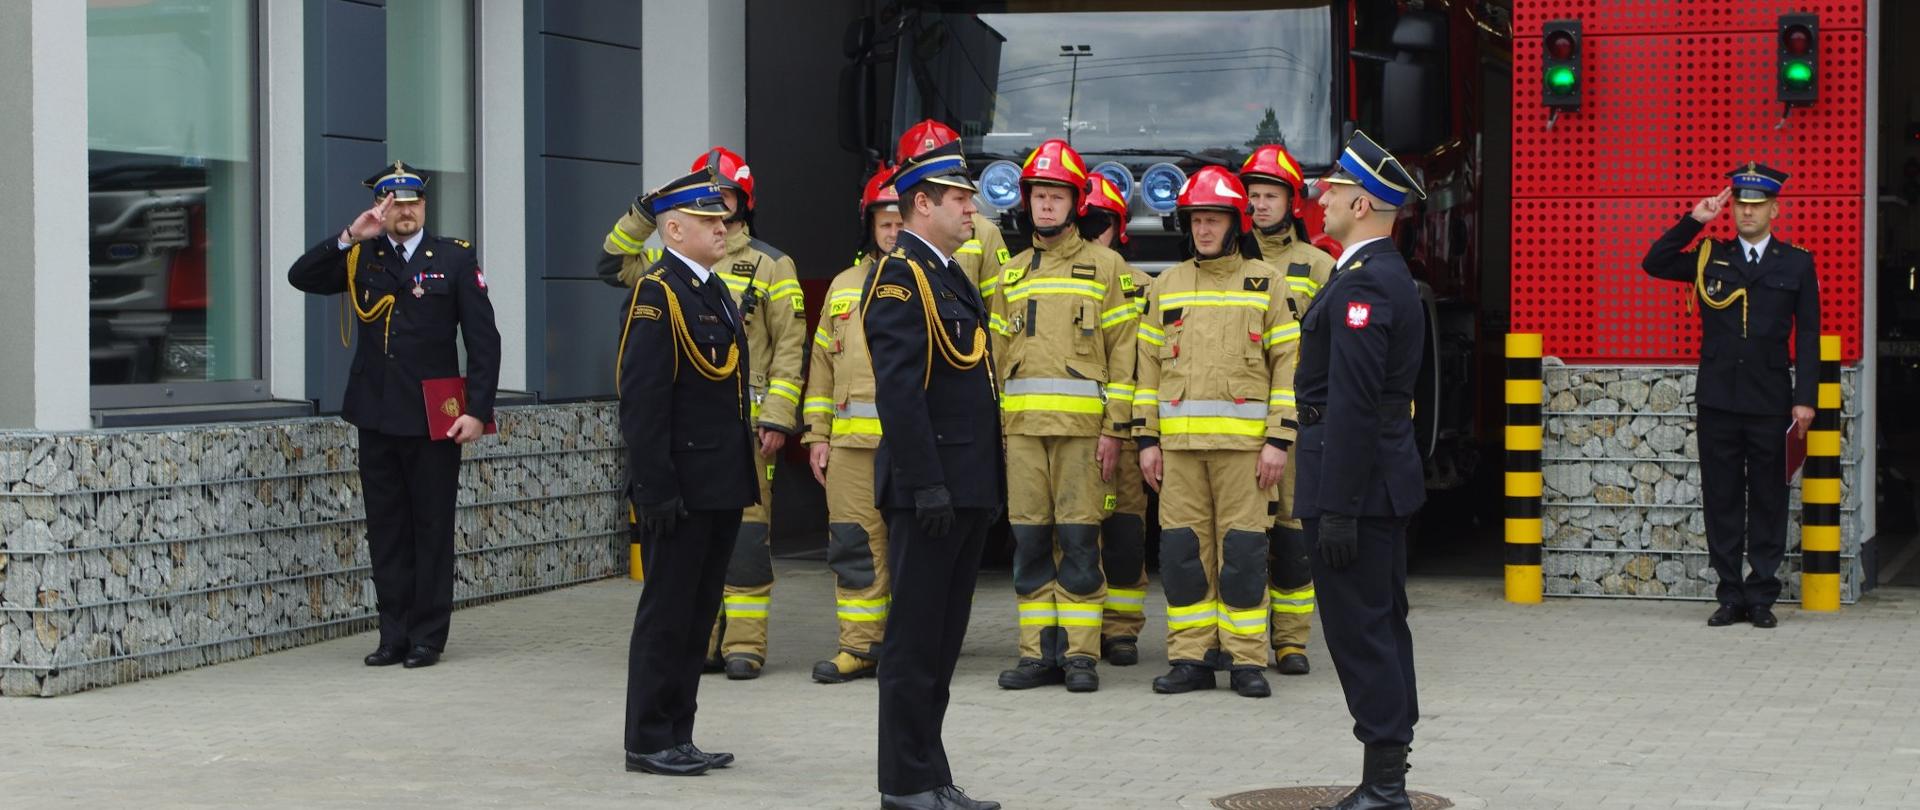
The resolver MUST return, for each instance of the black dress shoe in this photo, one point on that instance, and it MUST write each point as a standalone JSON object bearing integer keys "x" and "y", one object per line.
{"x": 955, "y": 797}
{"x": 924, "y": 800}
{"x": 718, "y": 760}
{"x": 676, "y": 761}
{"x": 421, "y": 657}
{"x": 713, "y": 664}
{"x": 1762, "y": 617}
{"x": 1293, "y": 663}
{"x": 386, "y": 655}
{"x": 1727, "y": 614}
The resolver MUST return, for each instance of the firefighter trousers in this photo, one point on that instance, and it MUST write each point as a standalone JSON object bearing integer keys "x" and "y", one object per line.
{"x": 741, "y": 630}
{"x": 1213, "y": 555}
{"x": 1289, "y": 575}
{"x": 857, "y": 552}
{"x": 1055, "y": 501}
{"x": 1123, "y": 551}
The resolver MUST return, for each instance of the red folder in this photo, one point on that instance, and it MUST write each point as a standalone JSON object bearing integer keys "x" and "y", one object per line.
{"x": 446, "y": 401}
{"x": 1796, "y": 450}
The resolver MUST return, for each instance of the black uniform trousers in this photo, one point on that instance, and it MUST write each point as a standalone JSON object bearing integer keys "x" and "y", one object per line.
{"x": 1363, "y": 617}
{"x": 409, "y": 485}
{"x": 677, "y": 606}
{"x": 933, "y": 579}
{"x": 1743, "y": 484}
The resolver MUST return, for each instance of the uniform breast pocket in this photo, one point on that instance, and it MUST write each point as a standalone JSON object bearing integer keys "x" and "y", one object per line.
{"x": 959, "y": 322}
{"x": 712, "y": 340}
{"x": 1779, "y": 295}
{"x": 1086, "y": 325}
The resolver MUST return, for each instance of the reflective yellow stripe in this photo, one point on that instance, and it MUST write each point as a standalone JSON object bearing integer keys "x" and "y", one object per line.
{"x": 862, "y": 610}
{"x": 1123, "y": 600}
{"x": 1056, "y": 286}
{"x": 1146, "y": 396}
{"x": 784, "y": 289}
{"x": 1120, "y": 391}
{"x": 1300, "y": 601}
{"x": 1281, "y": 334}
{"x": 1059, "y": 403}
{"x": 1281, "y": 398}
{"x": 1217, "y": 298}
{"x": 999, "y": 324}
{"x": 989, "y": 285}
{"x": 1215, "y": 425}
{"x": 1078, "y": 614}
{"x": 1244, "y": 622}
{"x": 1119, "y": 315}
{"x": 624, "y": 241}
{"x": 855, "y": 425}
{"x": 820, "y": 338}
{"x": 785, "y": 389}
{"x": 970, "y": 246}
{"x": 1038, "y": 613}
{"x": 1199, "y": 614}
{"x": 816, "y": 405}
{"x": 1148, "y": 333}
{"x": 747, "y": 607}
{"x": 1303, "y": 284}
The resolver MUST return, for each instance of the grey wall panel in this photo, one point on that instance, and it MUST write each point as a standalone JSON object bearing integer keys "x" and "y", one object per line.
{"x": 345, "y": 162}
{"x": 582, "y": 337}
{"x": 583, "y": 200}
{"x": 353, "y": 78}
{"x": 616, "y": 22}
{"x": 591, "y": 101}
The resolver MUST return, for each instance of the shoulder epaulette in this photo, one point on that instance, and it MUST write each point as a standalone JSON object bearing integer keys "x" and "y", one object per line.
{"x": 771, "y": 251}
{"x": 461, "y": 242}
{"x": 1801, "y": 248}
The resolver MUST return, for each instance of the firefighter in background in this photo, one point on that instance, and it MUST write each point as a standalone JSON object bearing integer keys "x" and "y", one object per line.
{"x": 982, "y": 255}
{"x": 767, "y": 291}
{"x": 1274, "y": 183}
{"x": 1212, "y": 440}
{"x": 1123, "y": 535}
{"x": 1064, "y": 340}
{"x": 843, "y": 428}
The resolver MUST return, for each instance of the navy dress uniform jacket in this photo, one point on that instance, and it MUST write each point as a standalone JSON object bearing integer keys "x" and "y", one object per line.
{"x": 1746, "y": 371}
{"x": 687, "y": 436}
{"x": 941, "y": 424}
{"x": 414, "y": 342}
{"x": 1360, "y": 351}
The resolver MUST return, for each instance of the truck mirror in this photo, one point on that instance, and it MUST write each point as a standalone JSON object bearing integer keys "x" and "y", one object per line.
{"x": 1413, "y": 91}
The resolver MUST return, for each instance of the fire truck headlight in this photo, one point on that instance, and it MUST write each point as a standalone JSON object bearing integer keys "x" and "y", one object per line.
{"x": 1000, "y": 184}
{"x": 1118, "y": 174}
{"x": 1160, "y": 187}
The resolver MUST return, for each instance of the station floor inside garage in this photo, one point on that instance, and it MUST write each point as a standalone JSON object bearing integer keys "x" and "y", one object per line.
{"x": 1569, "y": 704}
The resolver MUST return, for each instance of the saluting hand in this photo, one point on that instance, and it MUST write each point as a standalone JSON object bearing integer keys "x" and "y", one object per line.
{"x": 1705, "y": 210}
{"x": 371, "y": 222}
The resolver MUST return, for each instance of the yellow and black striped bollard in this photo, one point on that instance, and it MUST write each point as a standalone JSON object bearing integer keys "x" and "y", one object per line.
{"x": 1525, "y": 397}
{"x": 1820, "y": 491}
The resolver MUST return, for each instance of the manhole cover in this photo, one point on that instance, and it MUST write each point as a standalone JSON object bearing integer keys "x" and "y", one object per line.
{"x": 1309, "y": 796}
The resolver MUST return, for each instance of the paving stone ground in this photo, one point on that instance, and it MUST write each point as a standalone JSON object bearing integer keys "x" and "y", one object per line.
{"x": 1572, "y": 704}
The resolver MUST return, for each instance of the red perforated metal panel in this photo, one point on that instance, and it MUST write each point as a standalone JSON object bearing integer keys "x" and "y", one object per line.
{"x": 1675, "y": 95}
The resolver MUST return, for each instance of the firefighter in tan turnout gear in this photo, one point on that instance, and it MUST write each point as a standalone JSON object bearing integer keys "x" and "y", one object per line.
{"x": 1064, "y": 339}
{"x": 1123, "y": 535}
{"x": 1274, "y": 183}
{"x": 767, "y": 291}
{"x": 843, "y": 428}
{"x": 1213, "y": 436}
{"x": 982, "y": 255}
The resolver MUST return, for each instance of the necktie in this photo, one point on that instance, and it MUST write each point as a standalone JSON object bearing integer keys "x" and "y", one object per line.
{"x": 716, "y": 297}
{"x": 1753, "y": 255}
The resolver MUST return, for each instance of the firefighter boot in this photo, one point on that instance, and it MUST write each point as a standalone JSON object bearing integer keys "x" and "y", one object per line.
{"x": 1123, "y": 651}
{"x": 1081, "y": 676}
{"x": 1383, "y": 781}
{"x": 1030, "y": 673}
{"x": 1248, "y": 682}
{"x": 844, "y": 667}
{"x": 1184, "y": 677}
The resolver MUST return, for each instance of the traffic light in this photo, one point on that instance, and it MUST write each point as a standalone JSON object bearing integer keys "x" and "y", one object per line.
{"x": 1560, "y": 68}
{"x": 1799, "y": 58}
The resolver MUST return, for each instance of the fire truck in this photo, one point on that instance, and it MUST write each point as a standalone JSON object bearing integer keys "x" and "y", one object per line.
{"x": 1150, "y": 91}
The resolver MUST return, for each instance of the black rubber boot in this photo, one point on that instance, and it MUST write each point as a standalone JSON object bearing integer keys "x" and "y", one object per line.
{"x": 1383, "y": 781}
{"x": 1030, "y": 673}
{"x": 1184, "y": 677}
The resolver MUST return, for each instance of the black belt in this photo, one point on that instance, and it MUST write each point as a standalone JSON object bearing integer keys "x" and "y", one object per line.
{"x": 1312, "y": 414}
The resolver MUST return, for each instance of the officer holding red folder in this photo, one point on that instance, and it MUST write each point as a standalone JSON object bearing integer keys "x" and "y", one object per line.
{"x": 1756, "y": 292}
{"x": 412, "y": 293}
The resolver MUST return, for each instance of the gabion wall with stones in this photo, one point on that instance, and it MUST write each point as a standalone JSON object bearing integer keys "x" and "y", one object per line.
{"x": 130, "y": 553}
{"x": 1622, "y": 514}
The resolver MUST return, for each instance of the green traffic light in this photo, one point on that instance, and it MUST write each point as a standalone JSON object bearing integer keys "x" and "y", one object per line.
{"x": 1561, "y": 79}
{"x": 1799, "y": 72}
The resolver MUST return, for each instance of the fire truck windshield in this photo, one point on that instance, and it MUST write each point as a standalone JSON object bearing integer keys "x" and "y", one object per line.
{"x": 1205, "y": 83}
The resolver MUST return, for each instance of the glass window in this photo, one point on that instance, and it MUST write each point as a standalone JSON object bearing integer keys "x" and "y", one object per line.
{"x": 173, "y": 256}
{"x": 430, "y": 105}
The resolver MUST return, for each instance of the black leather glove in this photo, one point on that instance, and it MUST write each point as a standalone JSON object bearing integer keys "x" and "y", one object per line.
{"x": 933, "y": 508}
{"x": 659, "y": 519}
{"x": 1339, "y": 540}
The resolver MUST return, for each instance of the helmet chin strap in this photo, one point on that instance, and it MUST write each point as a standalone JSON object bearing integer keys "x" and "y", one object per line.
{"x": 1269, "y": 230}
